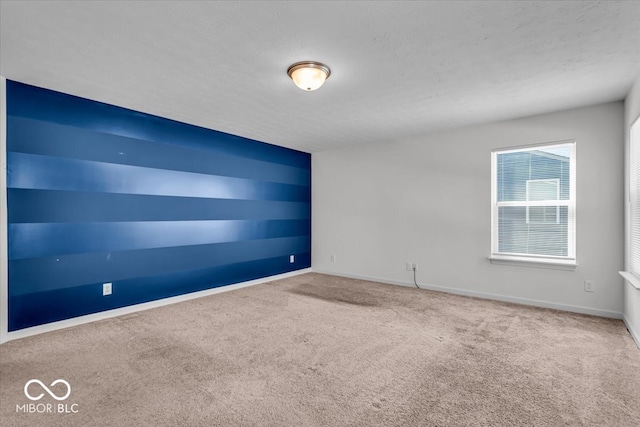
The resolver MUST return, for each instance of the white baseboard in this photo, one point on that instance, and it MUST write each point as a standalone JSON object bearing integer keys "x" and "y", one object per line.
{"x": 22, "y": 333}
{"x": 484, "y": 295}
{"x": 634, "y": 334}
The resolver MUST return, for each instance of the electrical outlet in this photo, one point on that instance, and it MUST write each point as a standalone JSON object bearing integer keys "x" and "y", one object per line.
{"x": 106, "y": 289}
{"x": 414, "y": 266}
{"x": 409, "y": 266}
{"x": 292, "y": 259}
{"x": 332, "y": 258}
{"x": 589, "y": 286}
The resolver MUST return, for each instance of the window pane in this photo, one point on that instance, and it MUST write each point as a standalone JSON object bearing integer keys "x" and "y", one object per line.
{"x": 515, "y": 169}
{"x": 543, "y": 215}
{"x": 542, "y": 235}
{"x": 542, "y": 189}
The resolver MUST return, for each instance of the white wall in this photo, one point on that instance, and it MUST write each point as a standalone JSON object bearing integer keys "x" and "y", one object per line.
{"x": 427, "y": 200}
{"x": 631, "y": 294}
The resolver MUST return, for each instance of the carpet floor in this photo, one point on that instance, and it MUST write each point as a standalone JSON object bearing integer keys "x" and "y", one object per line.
{"x": 319, "y": 350}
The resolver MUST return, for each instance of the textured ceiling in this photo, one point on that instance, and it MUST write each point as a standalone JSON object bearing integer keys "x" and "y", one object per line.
{"x": 399, "y": 69}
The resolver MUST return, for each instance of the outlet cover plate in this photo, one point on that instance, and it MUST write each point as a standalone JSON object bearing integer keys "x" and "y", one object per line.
{"x": 589, "y": 286}
{"x": 107, "y": 289}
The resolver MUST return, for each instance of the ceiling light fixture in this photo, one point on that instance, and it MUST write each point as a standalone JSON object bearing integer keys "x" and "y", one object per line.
{"x": 309, "y": 75}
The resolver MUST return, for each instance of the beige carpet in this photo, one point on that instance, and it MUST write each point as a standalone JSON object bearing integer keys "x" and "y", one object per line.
{"x": 317, "y": 350}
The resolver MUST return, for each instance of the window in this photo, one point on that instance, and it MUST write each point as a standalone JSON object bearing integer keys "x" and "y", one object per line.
{"x": 533, "y": 204}
{"x": 633, "y": 214}
{"x": 634, "y": 200}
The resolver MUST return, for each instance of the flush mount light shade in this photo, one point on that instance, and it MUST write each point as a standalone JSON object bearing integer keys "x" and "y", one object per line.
{"x": 309, "y": 75}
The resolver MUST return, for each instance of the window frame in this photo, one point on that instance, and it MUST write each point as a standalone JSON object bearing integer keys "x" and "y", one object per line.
{"x": 569, "y": 261}
{"x": 632, "y": 179}
{"x": 634, "y": 199}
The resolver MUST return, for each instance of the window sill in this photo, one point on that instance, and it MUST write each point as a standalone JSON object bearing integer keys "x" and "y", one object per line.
{"x": 534, "y": 262}
{"x": 631, "y": 278}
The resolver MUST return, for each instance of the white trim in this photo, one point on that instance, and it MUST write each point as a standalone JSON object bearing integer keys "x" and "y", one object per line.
{"x": 634, "y": 334}
{"x": 4, "y": 260}
{"x": 22, "y": 333}
{"x": 535, "y": 203}
{"x": 572, "y": 213}
{"x": 483, "y": 295}
{"x": 631, "y": 278}
{"x": 632, "y": 190}
{"x": 529, "y": 147}
{"x": 538, "y": 262}
{"x": 494, "y": 202}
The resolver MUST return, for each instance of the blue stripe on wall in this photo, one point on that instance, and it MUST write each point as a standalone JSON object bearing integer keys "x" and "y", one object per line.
{"x": 40, "y": 274}
{"x": 29, "y": 240}
{"x": 53, "y": 173}
{"x": 82, "y": 144}
{"x": 34, "y": 103}
{"x": 78, "y": 206}
{"x": 98, "y": 193}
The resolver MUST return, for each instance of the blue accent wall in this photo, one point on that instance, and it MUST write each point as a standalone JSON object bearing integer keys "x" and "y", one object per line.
{"x": 98, "y": 193}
